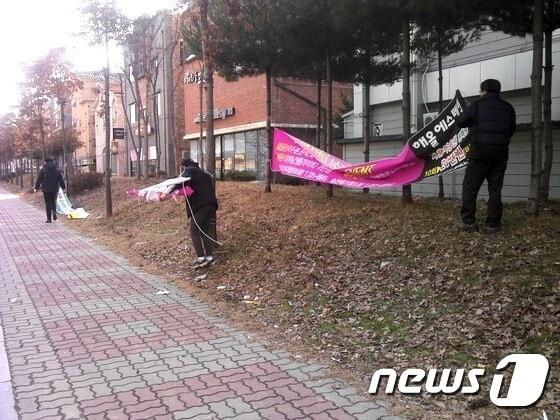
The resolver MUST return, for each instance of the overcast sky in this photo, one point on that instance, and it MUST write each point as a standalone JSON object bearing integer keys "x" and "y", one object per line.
{"x": 29, "y": 28}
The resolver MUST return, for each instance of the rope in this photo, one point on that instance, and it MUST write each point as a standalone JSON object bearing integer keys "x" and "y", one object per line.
{"x": 196, "y": 223}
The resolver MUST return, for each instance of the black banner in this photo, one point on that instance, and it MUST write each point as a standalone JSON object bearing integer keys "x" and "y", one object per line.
{"x": 442, "y": 144}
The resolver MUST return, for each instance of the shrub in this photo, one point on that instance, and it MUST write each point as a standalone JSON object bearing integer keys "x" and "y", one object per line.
{"x": 8, "y": 177}
{"x": 82, "y": 182}
{"x": 287, "y": 180}
{"x": 242, "y": 176}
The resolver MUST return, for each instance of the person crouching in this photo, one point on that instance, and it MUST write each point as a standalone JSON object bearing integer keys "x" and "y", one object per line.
{"x": 201, "y": 209}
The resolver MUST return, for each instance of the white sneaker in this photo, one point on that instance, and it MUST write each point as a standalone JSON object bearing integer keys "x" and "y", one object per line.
{"x": 199, "y": 262}
{"x": 210, "y": 260}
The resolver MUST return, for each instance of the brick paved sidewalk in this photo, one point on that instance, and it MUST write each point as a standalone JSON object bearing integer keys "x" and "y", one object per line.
{"x": 87, "y": 336}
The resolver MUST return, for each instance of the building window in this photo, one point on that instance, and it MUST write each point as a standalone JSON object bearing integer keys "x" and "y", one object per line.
{"x": 132, "y": 113}
{"x": 262, "y": 154}
{"x": 158, "y": 104}
{"x": 228, "y": 152}
{"x": 239, "y": 164}
{"x": 218, "y": 154}
{"x": 194, "y": 150}
{"x": 245, "y": 151}
{"x": 251, "y": 151}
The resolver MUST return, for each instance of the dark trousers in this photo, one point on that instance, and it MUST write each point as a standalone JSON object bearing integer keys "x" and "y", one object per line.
{"x": 205, "y": 216}
{"x": 477, "y": 171}
{"x": 50, "y": 204}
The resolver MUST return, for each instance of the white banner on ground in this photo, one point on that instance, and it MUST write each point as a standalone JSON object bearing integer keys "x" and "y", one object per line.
{"x": 63, "y": 206}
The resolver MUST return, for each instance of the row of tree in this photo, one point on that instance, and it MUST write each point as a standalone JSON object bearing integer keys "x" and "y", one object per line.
{"x": 368, "y": 42}
{"x": 30, "y": 134}
{"x": 359, "y": 41}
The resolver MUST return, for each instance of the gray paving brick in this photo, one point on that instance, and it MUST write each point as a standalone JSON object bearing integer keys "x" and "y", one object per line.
{"x": 373, "y": 414}
{"x": 238, "y": 405}
{"x": 103, "y": 389}
{"x": 364, "y": 407}
{"x": 84, "y": 393}
{"x": 192, "y": 413}
{"x": 222, "y": 410}
{"x": 247, "y": 416}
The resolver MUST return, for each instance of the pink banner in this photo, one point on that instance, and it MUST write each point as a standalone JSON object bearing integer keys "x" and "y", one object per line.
{"x": 438, "y": 148}
{"x": 297, "y": 158}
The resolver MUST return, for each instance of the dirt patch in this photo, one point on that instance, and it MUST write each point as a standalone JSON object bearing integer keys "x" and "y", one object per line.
{"x": 362, "y": 283}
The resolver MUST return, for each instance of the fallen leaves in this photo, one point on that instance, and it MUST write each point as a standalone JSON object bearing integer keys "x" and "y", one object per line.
{"x": 363, "y": 281}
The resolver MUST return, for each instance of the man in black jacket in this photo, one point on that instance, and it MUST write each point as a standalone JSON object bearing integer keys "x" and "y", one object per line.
{"x": 492, "y": 122}
{"x": 201, "y": 209}
{"x": 49, "y": 179}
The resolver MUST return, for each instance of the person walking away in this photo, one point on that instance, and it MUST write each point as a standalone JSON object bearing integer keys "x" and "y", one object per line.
{"x": 49, "y": 180}
{"x": 201, "y": 210}
{"x": 492, "y": 123}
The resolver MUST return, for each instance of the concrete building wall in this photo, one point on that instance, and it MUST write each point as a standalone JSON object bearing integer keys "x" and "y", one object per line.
{"x": 516, "y": 181}
{"x": 118, "y": 160}
{"x": 161, "y": 113}
{"x": 495, "y": 55}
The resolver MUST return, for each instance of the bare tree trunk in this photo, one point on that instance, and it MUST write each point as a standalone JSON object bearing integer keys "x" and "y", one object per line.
{"x": 533, "y": 206}
{"x": 169, "y": 142}
{"x": 268, "y": 129}
{"x": 64, "y": 148}
{"x": 143, "y": 164}
{"x": 441, "y": 193}
{"x": 145, "y": 148}
{"x": 406, "y": 189}
{"x": 210, "y": 163}
{"x": 21, "y": 172}
{"x": 31, "y": 160}
{"x": 547, "y": 114}
{"x": 156, "y": 130}
{"x": 319, "y": 117}
{"x": 129, "y": 130}
{"x": 200, "y": 150}
{"x": 42, "y": 132}
{"x": 107, "y": 115}
{"x": 141, "y": 145}
{"x": 318, "y": 130}
{"x": 134, "y": 90}
{"x": 330, "y": 187}
{"x": 366, "y": 125}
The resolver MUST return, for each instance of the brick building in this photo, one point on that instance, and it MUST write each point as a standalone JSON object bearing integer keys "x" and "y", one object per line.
{"x": 83, "y": 118}
{"x": 240, "y": 116}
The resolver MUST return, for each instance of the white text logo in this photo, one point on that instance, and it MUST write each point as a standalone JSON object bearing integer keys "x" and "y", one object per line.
{"x": 525, "y": 388}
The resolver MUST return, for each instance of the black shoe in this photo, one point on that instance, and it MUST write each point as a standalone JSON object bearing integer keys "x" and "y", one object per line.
{"x": 54, "y": 217}
{"x": 491, "y": 229}
{"x": 48, "y": 221}
{"x": 466, "y": 227}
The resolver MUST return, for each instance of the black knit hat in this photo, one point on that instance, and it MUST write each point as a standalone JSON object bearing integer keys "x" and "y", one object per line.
{"x": 188, "y": 162}
{"x": 490, "y": 85}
